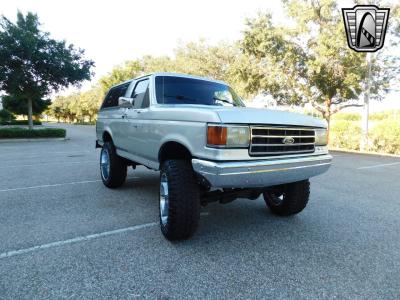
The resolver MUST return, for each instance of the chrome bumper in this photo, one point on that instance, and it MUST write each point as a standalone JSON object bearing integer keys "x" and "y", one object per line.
{"x": 261, "y": 173}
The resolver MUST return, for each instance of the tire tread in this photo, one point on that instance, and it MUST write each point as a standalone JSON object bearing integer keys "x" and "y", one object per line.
{"x": 184, "y": 200}
{"x": 118, "y": 168}
{"x": 296, "y": 198}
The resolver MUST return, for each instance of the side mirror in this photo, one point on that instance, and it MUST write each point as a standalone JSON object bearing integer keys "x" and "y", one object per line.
{"x": 125, "y": 102}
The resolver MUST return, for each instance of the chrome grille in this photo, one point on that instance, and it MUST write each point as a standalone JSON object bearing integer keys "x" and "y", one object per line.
{"x": 271, "y": 141}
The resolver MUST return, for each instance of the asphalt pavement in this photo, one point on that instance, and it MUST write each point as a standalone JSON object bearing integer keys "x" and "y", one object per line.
{"x": 64, "y": 235}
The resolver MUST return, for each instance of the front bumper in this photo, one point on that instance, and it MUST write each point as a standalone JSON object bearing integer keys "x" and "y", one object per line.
{"x": 261, "y": 173}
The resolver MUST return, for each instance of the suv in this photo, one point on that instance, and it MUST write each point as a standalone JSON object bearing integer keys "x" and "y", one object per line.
{"x": 207, "y": 146}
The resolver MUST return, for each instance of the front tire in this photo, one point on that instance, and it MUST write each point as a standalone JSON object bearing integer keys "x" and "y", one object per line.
{"x": 179, "y": 200}
{"x": 112, "y": 167}
{"x": 288, "y": 199}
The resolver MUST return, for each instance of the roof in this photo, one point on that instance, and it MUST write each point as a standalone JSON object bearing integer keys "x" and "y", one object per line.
{"x": 170, "y": 74}
{"x": 180, "y": 75}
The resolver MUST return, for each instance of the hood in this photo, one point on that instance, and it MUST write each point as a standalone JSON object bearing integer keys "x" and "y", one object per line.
{"x": 233, "y": 115}
{"x": 246, "y": 115}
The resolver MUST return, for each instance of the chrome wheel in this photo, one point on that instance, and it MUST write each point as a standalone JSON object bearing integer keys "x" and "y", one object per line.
{"x": 105, "y": 164}
{"x": 164, "y": 201}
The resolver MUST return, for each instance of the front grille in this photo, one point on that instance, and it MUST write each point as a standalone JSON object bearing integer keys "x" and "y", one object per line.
{"x": 271, "y": 141}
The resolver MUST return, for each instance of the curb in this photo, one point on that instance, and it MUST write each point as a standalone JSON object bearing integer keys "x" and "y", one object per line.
{"x": 363, "y": 152}
{"x": 16, "y": 140}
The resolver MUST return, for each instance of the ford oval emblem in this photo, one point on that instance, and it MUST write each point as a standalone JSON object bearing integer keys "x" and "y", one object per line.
{"x": 288, "y": 140}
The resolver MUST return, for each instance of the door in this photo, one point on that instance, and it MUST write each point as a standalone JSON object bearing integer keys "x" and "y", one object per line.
{"x": 136, "y": 119}
{"x": 114, "y": 114}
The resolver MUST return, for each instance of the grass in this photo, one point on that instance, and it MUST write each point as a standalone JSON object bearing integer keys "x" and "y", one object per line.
{"x": 25, "y": 133}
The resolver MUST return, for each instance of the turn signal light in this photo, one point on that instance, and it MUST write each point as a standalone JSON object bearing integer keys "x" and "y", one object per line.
{"x": 216, "y": 135}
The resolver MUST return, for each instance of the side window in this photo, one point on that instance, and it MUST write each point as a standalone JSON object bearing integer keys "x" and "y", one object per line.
{"x": 108, "y": 101}
{"x": 140, "y": 94}
{"x": 111, "y": 99}
{"x": 121, "y": 91}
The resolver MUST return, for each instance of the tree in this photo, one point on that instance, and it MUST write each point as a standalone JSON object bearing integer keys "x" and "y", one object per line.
{"x": 5, "y": 115}
{"x": 121, "y": 73}
{"x": 93, "y": 99}
{"x": 19, "y": 105}
{"x": 32, "y": 65}
{"x": 196, "y": 58}
{"x": 310, "y": 61}
{"x": 221, "y": 61}
{"x": 79, "y": 107}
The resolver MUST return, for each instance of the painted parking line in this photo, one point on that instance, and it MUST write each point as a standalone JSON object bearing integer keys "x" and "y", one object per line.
{"x": 75, "y": 240}
{"x": 53, "y": 185}
{"x": 81, "y": 239}
{"x": 378, "y": 166}
{"x": 46, "y": 154}
{"x": 50, "y": 163}
{"x": 47, "y": 158}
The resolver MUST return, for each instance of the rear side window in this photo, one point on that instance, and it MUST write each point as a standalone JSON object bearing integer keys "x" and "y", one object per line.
{"x": 111, "y": 99}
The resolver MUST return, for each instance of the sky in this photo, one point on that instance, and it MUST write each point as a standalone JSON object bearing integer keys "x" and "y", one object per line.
{"x": 119, "y": 30}
{"x": 114, "y": 31}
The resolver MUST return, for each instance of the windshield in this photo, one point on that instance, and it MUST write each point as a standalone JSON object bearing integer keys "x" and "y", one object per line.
{"x": 181, "y": 90}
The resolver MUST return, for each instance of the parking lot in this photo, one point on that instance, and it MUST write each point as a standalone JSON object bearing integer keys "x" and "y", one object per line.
{"x": 64, "y": 235}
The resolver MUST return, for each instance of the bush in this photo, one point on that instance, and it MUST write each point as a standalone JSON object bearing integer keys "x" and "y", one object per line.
{"x": 17, "y": 132}
{"x": 19, "y": 122}
{"x": 383, "y": 115}
{"x": 6, "y": 116}
{"x": 345, "y": 134}
{"x": 346, "y": 117}
{"x": 385, "y": 137}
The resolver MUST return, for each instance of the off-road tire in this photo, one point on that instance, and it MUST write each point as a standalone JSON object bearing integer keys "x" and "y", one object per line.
{"x": 183, "y": 200}
{"x": 117, "y": 170}
{"x": 295, "y": 198}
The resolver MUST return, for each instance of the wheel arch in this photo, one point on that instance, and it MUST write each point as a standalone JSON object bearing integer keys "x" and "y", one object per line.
{"x": 173, "y": 150}
{"x": 106, "y": 136}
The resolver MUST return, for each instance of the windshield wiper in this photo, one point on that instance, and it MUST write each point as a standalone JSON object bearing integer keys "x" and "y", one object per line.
{"x": 224, "y": 100}
{"x": 180, "y": 97}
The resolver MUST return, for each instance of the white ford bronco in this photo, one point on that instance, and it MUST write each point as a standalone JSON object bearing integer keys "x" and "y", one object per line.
{"x": 207, "y": 146}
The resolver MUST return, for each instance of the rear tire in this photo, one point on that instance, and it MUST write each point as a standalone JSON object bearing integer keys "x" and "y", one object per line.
{"x": 112, "y": 167}
{"x": 179, "y": 200}
{"x": 288, "y": 199}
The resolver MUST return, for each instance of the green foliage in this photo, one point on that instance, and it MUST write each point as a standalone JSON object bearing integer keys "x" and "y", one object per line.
{"x": 5, "y": 115}
{"x": 126, "y": 71}
{"x": 385, "y": 137}
{"x": 222, "y": 61}
{"x": 347, "y": 117}
{"x": 77, "y": 107}
{"x": 345, "y": 134}
{"x": 19, "y": 105}
{"x": 18, "y": 132}
{"x": 383, "y": 115}
{"x": 20, "y": 122}
{"x": 32, "y": 65}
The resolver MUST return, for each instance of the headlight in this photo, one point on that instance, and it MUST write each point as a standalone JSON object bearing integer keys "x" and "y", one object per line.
{"x": 321, "y": 137}
{"x": 228, "y": 136}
